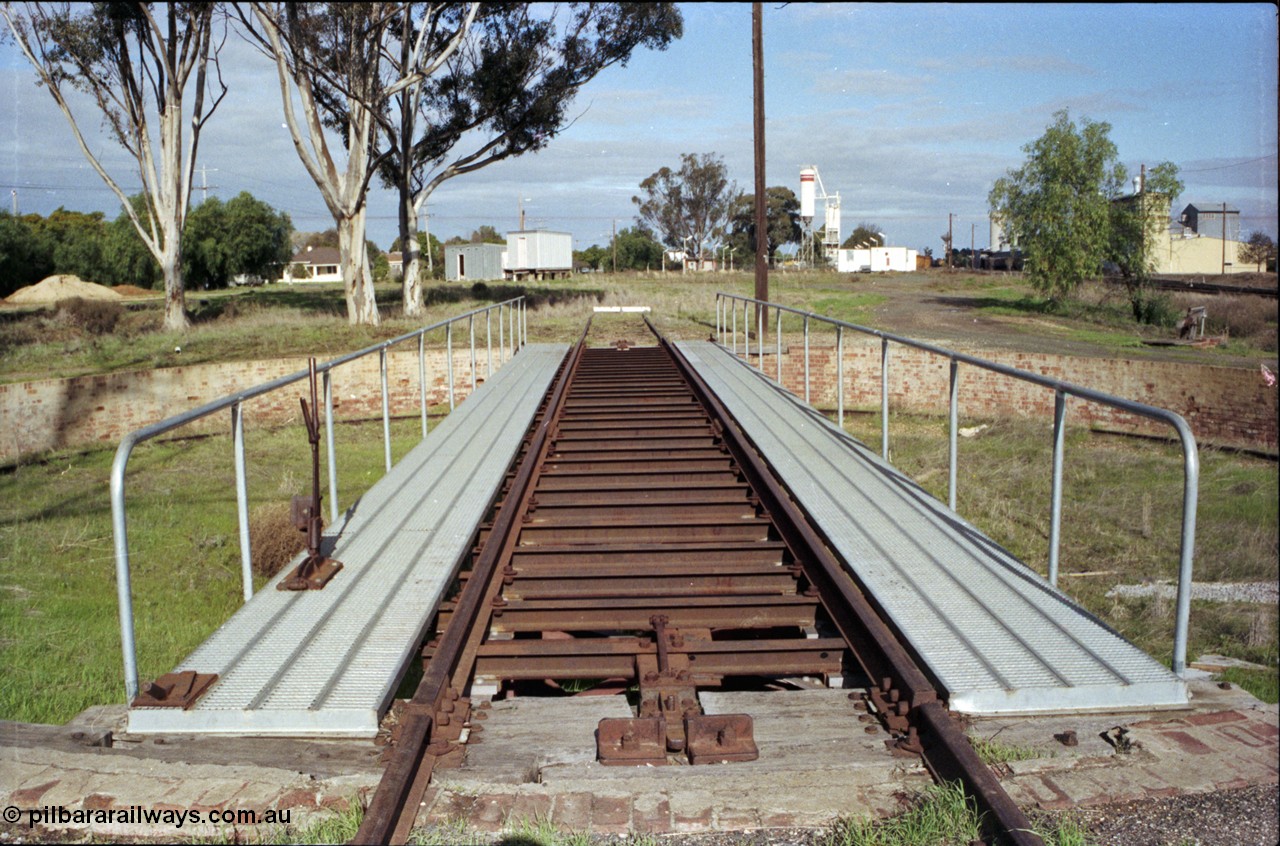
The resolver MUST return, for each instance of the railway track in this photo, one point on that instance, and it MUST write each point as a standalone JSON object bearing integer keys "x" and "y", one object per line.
{"x": 642, "y": 545}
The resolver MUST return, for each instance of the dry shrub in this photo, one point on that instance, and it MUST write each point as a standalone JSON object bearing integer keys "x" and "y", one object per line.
{"x": 273, "y": 538}
{"x": 1245, "y": 318}
{"x": 97, "y": 317}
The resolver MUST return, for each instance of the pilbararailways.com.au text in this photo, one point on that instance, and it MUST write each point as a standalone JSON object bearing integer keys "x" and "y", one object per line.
{"x": 139, "y": 815}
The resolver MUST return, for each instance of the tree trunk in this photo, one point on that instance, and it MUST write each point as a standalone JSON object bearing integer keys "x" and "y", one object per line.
{"x": 411, "y": 256}
{"x": 175, "y": 312}
{"x": 357, "y": 280}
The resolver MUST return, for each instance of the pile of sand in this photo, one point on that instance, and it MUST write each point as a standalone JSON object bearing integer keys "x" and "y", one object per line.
{"x": 54, "y": 288}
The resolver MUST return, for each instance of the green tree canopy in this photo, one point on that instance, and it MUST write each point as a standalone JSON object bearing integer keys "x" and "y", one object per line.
{"x": 637, "y": 250}
{"x": 1057, "y": 206}
{"x": 782, "y": 222}
{"x": 1259, "y": 250}
{"x": 864, "y": 234}
{"x": 243, "y": 236}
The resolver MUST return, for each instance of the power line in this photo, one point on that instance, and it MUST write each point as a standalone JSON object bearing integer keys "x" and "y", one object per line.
{"x": 1224, "y": 167}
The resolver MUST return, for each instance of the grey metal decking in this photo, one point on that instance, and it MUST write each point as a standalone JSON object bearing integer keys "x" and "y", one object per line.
{"x": 997, "y": 635}
{"x": 327, "y": 661}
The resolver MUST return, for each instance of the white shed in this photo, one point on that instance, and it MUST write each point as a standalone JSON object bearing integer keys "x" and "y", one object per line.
{"x": 539, "y": 254}
{"x": 876, "y": 260}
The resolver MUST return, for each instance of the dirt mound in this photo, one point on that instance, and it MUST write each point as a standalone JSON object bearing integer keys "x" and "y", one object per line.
{"x": 134, "y": 291}
{"x": 54, "y": 288}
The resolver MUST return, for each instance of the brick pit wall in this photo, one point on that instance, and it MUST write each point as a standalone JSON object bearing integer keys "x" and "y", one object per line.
{"x": 101, "y": 410}
{"x": 1226, "y": 406}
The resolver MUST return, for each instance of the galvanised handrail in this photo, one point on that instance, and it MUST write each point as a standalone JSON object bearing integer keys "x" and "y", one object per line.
{"x": 515, "y": 313}
{"x": 726, "y": 328}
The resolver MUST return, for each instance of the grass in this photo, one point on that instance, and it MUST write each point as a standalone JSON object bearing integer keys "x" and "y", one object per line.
{"x": 1264, "y": 684}
{"x": 60, "y": 648}
{"x": 994, "y": 751}
{"x": 940, "y": 815}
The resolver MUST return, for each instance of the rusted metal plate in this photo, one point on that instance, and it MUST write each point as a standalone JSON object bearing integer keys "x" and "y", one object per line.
{"x": 311, "y": 574}
{"x": 720, "y": 738}
{"x": 636, "y": 741}
{"x": 174, "y": 690}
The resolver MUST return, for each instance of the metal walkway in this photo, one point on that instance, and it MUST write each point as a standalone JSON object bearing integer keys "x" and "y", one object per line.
{"x": 326, "y": 661}
{"x": 997, "y": 636}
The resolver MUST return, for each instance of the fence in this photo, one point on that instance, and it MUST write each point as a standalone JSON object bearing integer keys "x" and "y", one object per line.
{"x": 727, "y": 330}
{"x": 512, "y": 320}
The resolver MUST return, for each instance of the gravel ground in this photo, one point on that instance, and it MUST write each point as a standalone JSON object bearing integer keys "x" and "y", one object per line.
{"x": 1246, "y": 817}
{"x": 1262, "y": 592}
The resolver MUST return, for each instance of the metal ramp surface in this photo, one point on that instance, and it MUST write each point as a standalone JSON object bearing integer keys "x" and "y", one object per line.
{"x": 326, "y": 661}
{"x": 997, "y": 635}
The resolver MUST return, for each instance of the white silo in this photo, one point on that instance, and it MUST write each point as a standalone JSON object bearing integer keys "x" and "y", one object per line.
{"x": 808, "y": 186}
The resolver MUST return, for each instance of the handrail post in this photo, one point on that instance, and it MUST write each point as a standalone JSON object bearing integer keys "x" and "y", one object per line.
{"x": 124, "y": 589}
{"x": 524, "y": 324}
{"x": 884, "y": 398}
{"x": 777, "y": 335}
{"x": 806, "y": 358}
{"x": 953, "y": 423}
{"x": 386, "y": 408}
{"x": 502, "y": 336}
{"x": 1190, "y": 494}
{"x": 760, "y": 334}
{"x": 840, "y": 377}
{"x": 471, "y": 330}
{"x": 328, "y": 435}
{"x": 746, "y": 333}
{"x": 1055, "y": 497}
{"x": 448, "y": 344}
{"x": 422, "y": 379}
{"x": 242, "y": 500}
{"x": 734, "y": 309}
{"x": 488, "y": 342}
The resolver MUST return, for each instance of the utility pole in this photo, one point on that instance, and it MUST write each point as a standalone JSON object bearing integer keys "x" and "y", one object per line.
{"x": 949, "y": 251}
{"x": 14, "y": 194}
{"x": 1224, "y": 239}
{"x": 762, "y": 233}
{"x": 973, "y": 229}
{"x": 204, "y": 183}
{"x": 615, "y": 245}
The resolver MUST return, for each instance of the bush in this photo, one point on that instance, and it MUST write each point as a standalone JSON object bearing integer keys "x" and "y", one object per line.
{"x": 1154, "y": 309}
{"x": 273, "y": 538}
{"x": 97, "y": 317}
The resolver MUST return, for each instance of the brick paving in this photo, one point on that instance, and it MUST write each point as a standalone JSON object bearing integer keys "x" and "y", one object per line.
{"x": 1229, "y": 741}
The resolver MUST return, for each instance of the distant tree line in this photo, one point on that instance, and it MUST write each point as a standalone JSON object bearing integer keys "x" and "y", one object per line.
{"x": 221, "y": 241}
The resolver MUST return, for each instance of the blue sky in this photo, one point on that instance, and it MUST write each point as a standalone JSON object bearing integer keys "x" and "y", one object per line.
{"x": 909, "y": 111}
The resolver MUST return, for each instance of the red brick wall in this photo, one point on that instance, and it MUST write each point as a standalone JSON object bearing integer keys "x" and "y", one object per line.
{"x": 60, "y": 413}
{"x": 1229, "y": 406}
{"x": 1224, "y": 405}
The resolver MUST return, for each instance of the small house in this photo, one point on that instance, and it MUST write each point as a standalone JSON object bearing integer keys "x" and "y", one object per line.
{"x": 314, "y": 264}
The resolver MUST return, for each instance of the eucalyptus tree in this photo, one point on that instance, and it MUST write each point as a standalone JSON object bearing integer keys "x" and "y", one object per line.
{"x": 335, "y": 58}
{"x": 690, "y": 207}
{"x": 506, "y": 91}
{"x": 146, "y": 69}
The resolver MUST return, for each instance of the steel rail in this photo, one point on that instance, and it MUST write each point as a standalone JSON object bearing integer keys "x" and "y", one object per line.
{"x": 946, "y": 750}
{"x": 391, "y": 812}
{"x": 1062, "y": 390}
